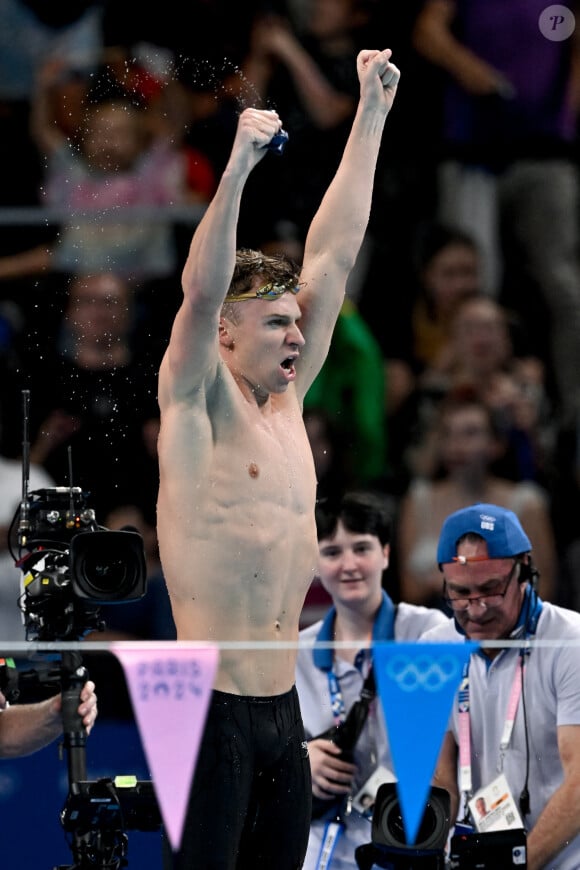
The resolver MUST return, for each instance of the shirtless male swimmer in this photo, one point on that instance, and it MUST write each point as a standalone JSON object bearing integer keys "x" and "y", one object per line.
{"x": 236, "y": 523}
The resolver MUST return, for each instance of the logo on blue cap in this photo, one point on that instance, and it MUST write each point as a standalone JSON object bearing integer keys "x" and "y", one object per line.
{"x": 499, "y": 527}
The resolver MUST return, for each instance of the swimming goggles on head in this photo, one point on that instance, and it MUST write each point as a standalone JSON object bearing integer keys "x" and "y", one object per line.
{"x": 268, "y": 291}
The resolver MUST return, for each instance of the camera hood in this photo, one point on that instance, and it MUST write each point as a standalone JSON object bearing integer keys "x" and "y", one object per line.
{"x": 387, "y": 825}
{"x": 108, "y": 566}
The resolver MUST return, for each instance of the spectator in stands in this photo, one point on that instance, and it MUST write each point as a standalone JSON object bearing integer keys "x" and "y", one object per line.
{"x": 308, "y": 78}
{"x": 102, "y": 395}
{"x": 510, "y": 128}
{"x": 118, "y": 158}
{"x": 447, "y": 269}
{"x": 31, "y": 33}
{"x": 464, "y": 444}
{"x": 480, "y": 355}
{"x": 351, "y": 387}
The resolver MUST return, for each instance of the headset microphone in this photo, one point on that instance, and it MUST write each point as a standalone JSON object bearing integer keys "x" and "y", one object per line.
{"x": 529, "y": 573}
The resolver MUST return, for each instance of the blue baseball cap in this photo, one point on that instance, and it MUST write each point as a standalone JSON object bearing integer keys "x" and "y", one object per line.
{"x": 500, "y": 528}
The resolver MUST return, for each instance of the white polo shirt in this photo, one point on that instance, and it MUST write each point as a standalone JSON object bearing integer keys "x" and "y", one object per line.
{"x": 552, "y": 698}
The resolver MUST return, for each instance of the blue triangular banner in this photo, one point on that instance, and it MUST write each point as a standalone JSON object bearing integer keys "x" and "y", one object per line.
{"x": 417, "y": 683}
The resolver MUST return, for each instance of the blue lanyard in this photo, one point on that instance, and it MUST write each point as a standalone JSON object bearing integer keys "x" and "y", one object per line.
{"x": 383, "y": 629}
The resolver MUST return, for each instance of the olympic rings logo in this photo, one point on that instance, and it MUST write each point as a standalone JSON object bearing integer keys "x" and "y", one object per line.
{"x": 422, "y": 672}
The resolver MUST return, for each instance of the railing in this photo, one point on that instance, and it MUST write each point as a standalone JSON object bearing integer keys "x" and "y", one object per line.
{"x": 38, "y": 215}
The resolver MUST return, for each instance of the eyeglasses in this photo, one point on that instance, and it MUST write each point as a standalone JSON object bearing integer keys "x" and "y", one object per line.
{"x": 497, "y": 591}
{"x": 268, "y": 291}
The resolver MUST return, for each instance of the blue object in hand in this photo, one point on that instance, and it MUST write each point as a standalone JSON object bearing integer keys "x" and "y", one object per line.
{"x": 278, "y": 142}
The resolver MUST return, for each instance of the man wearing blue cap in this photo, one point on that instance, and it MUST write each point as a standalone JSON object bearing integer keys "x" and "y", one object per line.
{"x": 517, "y": 713}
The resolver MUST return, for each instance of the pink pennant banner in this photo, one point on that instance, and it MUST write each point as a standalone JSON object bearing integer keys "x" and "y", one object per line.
{"x": 170, "y": 686}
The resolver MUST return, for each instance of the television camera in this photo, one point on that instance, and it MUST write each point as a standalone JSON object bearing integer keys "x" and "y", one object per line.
{"x": 468, "y": 849}
{"x": 389, "y": 847}
{"x": 70, "y": 566}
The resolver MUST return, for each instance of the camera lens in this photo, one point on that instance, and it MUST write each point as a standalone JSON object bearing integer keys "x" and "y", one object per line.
{"x": 388, "y": 829}
{"x": 105, "y": 573}
{"x": 392, "y": 823}
{"x": 108, "y": 566}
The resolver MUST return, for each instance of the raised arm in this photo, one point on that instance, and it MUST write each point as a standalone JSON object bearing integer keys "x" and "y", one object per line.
{"x": 43, "y": 124}
{"x": 193, "y": 348}
{"x": 338, "y": 228}
{"x": 434, "y": 39}
{"x": 274, "y": 42}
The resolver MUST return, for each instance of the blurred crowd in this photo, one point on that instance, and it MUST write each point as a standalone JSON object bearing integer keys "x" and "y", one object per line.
{"x": 454, "y": 372}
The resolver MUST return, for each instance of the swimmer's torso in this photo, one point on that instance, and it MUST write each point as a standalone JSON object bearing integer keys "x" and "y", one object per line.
{"x": 236, "y": 530}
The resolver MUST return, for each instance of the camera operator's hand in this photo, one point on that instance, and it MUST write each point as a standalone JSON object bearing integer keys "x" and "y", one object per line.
{"x": 26, "y": 728}
{"x": 87, "y": 708}
{"x": 331, "y": 776}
